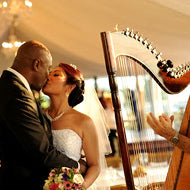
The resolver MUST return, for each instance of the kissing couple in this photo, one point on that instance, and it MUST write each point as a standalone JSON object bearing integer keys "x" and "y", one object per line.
{"x": 32, "y": 140}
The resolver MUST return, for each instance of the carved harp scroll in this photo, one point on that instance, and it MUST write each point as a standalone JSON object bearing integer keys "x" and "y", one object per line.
{"x": 171, "y": 80}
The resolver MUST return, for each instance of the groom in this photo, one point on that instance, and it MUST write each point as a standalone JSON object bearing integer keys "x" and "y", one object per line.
{"x": 26, "y": 148}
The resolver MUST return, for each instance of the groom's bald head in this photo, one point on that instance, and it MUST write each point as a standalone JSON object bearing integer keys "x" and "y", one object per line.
{"x": 29, "y": 51}
{"x": 33, "y": 60}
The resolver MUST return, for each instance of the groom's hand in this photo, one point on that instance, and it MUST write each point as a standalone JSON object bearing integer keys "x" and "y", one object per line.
{"x": 83, "y": 166}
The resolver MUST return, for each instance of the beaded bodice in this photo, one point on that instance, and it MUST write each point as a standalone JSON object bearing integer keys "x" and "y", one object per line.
{"x": 68, "y": 142}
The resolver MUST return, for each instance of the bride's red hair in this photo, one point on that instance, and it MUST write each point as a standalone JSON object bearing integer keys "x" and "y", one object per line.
{"x": 74, "y": 76}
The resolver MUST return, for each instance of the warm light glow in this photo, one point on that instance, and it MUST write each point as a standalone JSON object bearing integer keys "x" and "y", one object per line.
{"x": 5, "y": 4}
{"x": 15, "y": 7}
{"x": 28, "y": 3}
{"x": 18, "y": 44}
{"x": 7, "y": 45}
{"x": 15, "y": 44}
{"x": 12, "y": 11}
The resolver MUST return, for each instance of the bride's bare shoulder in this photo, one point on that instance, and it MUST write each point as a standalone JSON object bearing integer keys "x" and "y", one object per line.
{"x": 83, "y": 118}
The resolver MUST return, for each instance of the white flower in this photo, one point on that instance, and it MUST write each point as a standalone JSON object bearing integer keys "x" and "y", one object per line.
{"x": 61, "y": 186}
{"x": 46, "y": 186}
{"x": 78, "y": 179}
{"x": 65, "y": 168}
{"x": 60, "y": 176}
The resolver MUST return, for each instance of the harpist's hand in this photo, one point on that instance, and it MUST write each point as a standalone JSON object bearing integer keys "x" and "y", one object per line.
{"x": 83, "y": 166}
{"x": 162, "y": 126}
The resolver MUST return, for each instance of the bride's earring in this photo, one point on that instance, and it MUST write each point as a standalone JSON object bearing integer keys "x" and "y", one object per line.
{"x": 67, "y": 94}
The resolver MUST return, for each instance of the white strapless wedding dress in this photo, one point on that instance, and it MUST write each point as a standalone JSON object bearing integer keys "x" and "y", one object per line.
{"x": 69, "y": 142}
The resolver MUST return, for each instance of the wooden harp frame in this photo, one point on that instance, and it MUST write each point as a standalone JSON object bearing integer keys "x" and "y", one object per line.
{"x": 127, "y": 44}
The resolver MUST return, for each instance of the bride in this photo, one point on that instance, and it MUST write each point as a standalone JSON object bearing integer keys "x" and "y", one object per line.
{"x": 73, "y": 131}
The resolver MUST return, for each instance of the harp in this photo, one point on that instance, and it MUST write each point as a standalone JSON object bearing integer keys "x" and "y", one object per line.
{"x": 127, "y": 54}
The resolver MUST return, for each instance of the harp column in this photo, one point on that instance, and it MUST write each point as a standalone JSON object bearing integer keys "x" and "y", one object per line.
{"x": 111, "y": 68}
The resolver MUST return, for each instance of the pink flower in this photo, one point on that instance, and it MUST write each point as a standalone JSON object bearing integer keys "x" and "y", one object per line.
{"x": 77, "y": 186}
{"x": 54, "y": 186}
{"x": 51, "y": 174}
{"x": 76, "y": 170}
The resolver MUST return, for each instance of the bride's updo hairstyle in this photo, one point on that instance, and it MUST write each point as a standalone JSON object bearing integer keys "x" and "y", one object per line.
{"x": 74, "y": 76}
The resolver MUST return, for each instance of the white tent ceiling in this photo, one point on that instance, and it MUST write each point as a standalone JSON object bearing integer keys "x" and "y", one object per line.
{"x": 71, "y": 28}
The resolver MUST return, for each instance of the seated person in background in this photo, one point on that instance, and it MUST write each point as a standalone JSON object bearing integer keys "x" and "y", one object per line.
{"x": 112, "y": 124}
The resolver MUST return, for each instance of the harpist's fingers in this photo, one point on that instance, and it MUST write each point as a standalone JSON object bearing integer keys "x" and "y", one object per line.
{"x": 150, "y": 122}
{"x": 154, "y": 119}
{"x": 165, "y": 117}
{"x": 162, "y": 120}
{"x": 168, "y": 119}
{"x": 172, "y": 118}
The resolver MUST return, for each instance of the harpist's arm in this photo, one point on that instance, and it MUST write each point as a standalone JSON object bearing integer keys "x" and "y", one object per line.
{"x": 163, "y": 127}
{"x": 184, "y": 143}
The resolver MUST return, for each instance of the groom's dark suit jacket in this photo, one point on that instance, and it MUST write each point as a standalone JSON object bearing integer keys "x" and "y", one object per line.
{"x": 26, "y": 147}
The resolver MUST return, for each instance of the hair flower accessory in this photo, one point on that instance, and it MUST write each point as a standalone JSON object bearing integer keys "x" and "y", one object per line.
{"x": 74, "y": 66}
{"x": 64, "y": 178}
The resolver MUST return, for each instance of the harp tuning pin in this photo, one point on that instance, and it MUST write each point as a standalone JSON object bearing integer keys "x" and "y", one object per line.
{"x": 165, "y": 68}
{"x": 168, "y": 70}
{"x": 145, "y": 42}
{"x": 154, "y": 51}
{"x": 170, "y": 74}
{"x": 169, "y": 63}
{"x": 149, "y": 46}
{"x": 136, "y": 36}
{"x": 177, "y": 75}
{"x": 187, "y": 66}
{"x": 116, "y": 27}
{"x": 183, "y": 67}
{"x": 127, "y": 32}
{"x": 179, "y": 67}
{"x": 131, "y": 33}
{"x": 164, "y": 61}
{"x": 160, "y": 64}
{"x": 140, "y": 39}
{"x": 182, "y": 72}
{"x": 158, "y": 56}
{"x": 174, "y": 70}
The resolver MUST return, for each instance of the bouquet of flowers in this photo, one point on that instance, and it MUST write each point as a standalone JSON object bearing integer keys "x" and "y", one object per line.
{"x": 64, "y": 178}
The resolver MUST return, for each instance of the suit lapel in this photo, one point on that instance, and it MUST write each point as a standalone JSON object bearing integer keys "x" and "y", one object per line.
{"x": 10, "y": 76}
{"x": 41, "y": 116}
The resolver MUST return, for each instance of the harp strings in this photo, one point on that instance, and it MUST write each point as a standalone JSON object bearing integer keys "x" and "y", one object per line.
{"x": 135, "y": 89}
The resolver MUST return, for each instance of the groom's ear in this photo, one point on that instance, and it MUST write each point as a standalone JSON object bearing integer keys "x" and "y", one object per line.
{"x": 35, "y": 64}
